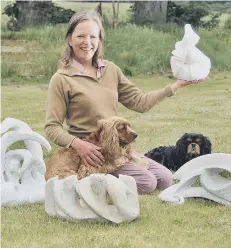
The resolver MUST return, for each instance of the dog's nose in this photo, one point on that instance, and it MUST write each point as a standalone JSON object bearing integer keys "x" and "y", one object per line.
{"x": 193, "y": 145}
{"x": 134, "y": 135}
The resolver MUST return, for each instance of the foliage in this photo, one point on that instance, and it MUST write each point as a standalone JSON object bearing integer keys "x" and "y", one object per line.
{"x": 60, "y": 15}
{"x": 12, "y": 11}
{"x": 192, "y": 13}
{"x": 213, "y": 21}
{"x": 188, "y": 13}
{"x": 217, "y": 6}
{"x": 227, "y": 24}
{"x": 142, "y": 50}
{"x": 51, "y": 14}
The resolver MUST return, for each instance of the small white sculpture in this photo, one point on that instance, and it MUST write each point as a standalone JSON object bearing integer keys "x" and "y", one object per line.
{"x": 86, "y": 199}
{"x": 207, "y": 168}
{"x": 188, "y": 62}
{"x": 22, "y": 170}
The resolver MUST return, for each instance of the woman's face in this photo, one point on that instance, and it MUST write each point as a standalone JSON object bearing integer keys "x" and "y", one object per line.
{"x": 85, "y": 40}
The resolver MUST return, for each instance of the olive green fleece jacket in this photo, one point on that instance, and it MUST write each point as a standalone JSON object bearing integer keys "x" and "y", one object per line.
{"x": 83, "y": 100}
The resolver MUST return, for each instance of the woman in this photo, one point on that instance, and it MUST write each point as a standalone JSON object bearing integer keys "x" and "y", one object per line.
{"x": 86, "y": 89}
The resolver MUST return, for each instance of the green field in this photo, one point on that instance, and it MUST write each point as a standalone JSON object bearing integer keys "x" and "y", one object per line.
{"x": 203, "y": 108}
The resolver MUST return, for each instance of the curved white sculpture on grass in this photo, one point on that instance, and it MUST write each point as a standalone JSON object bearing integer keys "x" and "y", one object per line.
{"x": 207, "y": 168}
{"x": 188, "y": 62}
{"x": 87, "y": 198}
{"x": 22, "y": 170}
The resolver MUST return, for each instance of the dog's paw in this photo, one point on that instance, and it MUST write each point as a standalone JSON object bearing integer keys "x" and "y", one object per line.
{"x": 140, "y": 161}
{"x": 144, "y": 163}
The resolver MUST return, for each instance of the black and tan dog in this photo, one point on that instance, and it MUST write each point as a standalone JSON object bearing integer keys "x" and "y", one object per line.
{"x": 189, "y": 146}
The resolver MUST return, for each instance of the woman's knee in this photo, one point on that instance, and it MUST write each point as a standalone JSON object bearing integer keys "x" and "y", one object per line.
{"x": 148, "y": 183}
{"x": 166, "y": 179}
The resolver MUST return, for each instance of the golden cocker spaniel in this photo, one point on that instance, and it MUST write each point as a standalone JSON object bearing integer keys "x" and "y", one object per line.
{"x": 114, "y": 135}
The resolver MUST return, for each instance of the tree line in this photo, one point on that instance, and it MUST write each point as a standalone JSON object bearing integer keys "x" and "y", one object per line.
{"x": 23, "y": 13}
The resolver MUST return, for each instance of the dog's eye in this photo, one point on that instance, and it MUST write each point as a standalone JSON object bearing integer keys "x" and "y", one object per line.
{"x": 122, "y": 128}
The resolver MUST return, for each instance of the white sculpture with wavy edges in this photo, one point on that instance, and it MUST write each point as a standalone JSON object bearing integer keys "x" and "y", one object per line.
{"x": 207, "y": 169}
{"x": 22, "y": 170}
{"x": 188, "y": 62}
{"x": 86, "y": 199}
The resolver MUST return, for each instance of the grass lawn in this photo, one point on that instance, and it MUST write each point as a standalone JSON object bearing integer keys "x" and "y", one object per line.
{"x": 204, "y": 108}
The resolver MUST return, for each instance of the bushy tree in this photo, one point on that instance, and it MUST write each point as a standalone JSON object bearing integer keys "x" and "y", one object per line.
{"x": 189, "y": 13}
{"x": 214, "y": 19}
{"x": 24, "y": 13}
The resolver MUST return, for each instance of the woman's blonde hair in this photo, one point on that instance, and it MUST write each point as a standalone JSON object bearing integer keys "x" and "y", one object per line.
{"x": 74, "y": 21}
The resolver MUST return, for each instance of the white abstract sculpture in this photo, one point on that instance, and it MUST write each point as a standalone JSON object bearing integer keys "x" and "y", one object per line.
{"x": 188, "y": 62}
{"x": 22, "y": 170}
{"x": 86, "y": 199}
{"x": 207, "y": 168}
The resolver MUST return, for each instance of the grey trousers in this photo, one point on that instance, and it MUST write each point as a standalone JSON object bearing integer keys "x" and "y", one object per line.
{"x": 155, "y": 177}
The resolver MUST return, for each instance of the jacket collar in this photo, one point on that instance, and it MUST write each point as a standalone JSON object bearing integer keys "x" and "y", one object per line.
{"x": 75, "y": 68}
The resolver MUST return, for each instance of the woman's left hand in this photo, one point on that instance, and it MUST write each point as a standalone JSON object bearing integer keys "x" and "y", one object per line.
{"x": 182, "y": 83}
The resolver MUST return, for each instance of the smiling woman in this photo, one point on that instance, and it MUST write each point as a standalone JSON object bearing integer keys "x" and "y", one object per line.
{"x": 84, "y": 39}
{"x": 84, "y": 42}
{"x": 87, "y": 89}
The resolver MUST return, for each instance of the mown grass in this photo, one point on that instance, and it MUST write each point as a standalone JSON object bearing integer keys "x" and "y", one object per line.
{"x": 203, "y": 108}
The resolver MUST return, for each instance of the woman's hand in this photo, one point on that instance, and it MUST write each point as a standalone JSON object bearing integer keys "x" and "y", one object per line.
{"x": 182, "y": 83}
{"x": 88, "y": 152}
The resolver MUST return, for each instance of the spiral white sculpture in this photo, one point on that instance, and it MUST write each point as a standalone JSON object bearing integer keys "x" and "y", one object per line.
{"x": 188, "y": 62}
{"x": 86, "y": 199}
{"x": 207, "y": 168}
{"x": 22, "y": 170}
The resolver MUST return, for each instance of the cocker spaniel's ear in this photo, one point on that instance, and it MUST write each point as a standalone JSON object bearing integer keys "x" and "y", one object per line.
{"x": 108, "y": 139}
{"x": 181, "y": 148}
{"x": 95, "y": 136}
{"x": 207, "y": 146}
